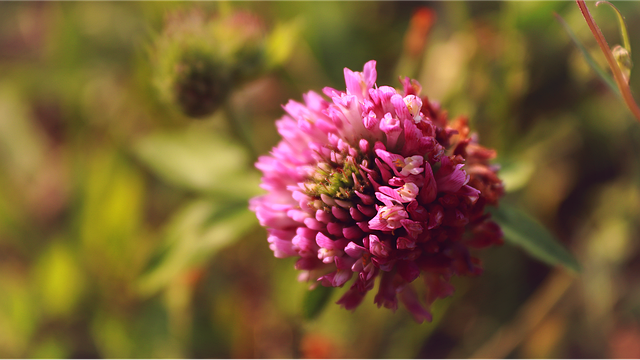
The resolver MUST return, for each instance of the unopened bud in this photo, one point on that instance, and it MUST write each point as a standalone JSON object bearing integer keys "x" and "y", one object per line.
{"x": 199, "y": 59}
{"x": 200, "y": 85}
{"x": 623, "y": 58}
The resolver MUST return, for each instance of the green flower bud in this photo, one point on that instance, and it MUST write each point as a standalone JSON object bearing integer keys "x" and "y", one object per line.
{"x": 623, "y": 58}
{"x": 199, "y": 59}
{"x": 200, "y": 84}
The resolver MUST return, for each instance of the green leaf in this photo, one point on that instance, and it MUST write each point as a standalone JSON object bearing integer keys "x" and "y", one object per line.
{"x": 193, "y": 237}
{"x": 315, "y": 300}
{"x": 201, "y": 161}
{"x": 61, "y": 281}
{"x": 516, "y": 174}
{"x": 522, "y": 230}
{"x": 601, "y": 73}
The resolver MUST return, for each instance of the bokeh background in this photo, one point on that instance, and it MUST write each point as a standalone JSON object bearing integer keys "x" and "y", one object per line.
{"x": 124, "y": 227}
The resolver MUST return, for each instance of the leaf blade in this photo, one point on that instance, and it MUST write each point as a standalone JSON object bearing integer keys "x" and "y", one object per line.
{"x": 199, "y": 161}
{"x": 194, "y": 236}
{"x": 522, "y": 230}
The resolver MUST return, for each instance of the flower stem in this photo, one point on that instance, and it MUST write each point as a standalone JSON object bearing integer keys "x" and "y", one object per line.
{"x": 617, "y": 72}
{"x": 240, "y": 129}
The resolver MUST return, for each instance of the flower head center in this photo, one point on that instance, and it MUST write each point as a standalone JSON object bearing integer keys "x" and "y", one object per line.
{"x": 338, "y": 179}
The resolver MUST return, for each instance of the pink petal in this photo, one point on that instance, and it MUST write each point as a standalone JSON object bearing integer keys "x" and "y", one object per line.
{"x": 354, "y": 250}
{"x": 370, "y": 74}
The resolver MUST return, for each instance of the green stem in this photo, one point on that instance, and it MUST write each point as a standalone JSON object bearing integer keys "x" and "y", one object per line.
{"x": 240, "y": 129}
{"x": 623, "y": 25}
{"x": 613, "y": 64}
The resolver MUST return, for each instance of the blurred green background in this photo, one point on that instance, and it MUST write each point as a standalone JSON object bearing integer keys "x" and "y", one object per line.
{"x": 124, "y": 227}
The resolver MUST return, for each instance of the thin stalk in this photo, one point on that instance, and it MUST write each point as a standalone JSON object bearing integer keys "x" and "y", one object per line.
{"x": 623, "y": 25}
{"x": 613, "y": 64}
{"x": 240, "y": 129}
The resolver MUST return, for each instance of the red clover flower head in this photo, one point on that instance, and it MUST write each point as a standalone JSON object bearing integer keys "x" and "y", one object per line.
{"x": 377, "y": 183}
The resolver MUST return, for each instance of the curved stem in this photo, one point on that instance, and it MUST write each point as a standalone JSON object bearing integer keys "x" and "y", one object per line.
{"x": 623, "y": 26}
{"x": 617, "y": 73}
